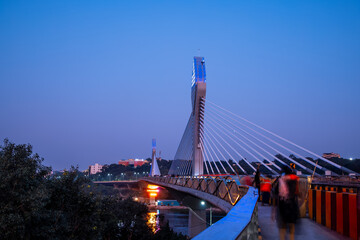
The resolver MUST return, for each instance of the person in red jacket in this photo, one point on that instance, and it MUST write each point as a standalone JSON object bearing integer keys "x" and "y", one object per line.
{"x": 265, "y": 189}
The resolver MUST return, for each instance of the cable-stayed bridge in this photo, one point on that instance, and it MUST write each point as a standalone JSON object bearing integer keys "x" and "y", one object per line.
{"x": 218, "y": 141}
{"x": 218, "y": 148}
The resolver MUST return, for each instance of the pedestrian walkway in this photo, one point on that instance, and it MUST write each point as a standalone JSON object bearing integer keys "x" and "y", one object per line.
{"x": 304, "y": 229}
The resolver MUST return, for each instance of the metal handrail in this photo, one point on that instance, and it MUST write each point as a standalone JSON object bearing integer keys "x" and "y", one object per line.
{"x": 224, "y": 185}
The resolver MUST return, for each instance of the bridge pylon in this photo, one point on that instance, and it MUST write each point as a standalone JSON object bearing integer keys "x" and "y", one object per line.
{"x": 189, "y": 159}
{"x": 154, "y": 166}
{"x": 198, "y": 94}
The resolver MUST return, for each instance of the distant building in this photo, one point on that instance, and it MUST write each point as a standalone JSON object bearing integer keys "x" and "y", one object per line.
{"x": 94, "y": 169}
{"x": 331, "y": 155}
{"x": 133, "y": 162}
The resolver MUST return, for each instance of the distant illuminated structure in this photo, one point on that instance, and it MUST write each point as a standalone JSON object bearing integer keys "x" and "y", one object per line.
{"x": 94, "y": 169}
{"x": 153, "y": 191}
{"x": 331, "y": 155}
{"x": 134, "y": 162}
{"x": 154, "y": 166}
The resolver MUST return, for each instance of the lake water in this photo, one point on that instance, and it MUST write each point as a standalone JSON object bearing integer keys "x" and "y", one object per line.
{"x": 178, "y": 219}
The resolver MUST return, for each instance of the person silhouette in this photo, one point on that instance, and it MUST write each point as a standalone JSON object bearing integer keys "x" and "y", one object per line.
{"x": 287, "y": 210}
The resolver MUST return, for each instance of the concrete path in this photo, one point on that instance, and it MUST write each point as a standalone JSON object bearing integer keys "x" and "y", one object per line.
{"x": 305, "y": 228}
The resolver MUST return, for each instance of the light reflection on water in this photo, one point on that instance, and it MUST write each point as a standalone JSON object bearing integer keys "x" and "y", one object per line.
{"x": 153, "y": 222}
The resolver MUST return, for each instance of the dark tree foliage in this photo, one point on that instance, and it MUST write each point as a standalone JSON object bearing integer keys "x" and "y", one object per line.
{"x": 166, "y": 233}
{"x": 23, "y": 193}
{"x": 351, "y": 164}
{"x": 36, "y": 205}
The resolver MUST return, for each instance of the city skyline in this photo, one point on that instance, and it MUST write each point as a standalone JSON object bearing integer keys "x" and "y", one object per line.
{"x": 94, "y": 82}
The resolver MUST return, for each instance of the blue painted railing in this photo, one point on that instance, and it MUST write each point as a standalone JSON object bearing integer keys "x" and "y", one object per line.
{"x": 240, "y": 223}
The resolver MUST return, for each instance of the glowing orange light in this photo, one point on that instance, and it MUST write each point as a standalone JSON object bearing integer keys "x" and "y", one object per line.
{"x": 152, "y": 221}
{"x": 153, "y": 194}
{"x": 152, "y": 190}
{"x": 150, "y": 186}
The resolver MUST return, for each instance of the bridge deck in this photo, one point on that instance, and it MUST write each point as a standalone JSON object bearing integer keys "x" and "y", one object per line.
{"x": 305, "y": 228}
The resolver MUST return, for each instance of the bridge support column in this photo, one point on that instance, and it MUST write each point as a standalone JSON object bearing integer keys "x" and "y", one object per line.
{"x": 197, "y": 211}
{"x": 198, "y": 94}
{"x": 198, "y": 158}
{"x": 197, "y": 222}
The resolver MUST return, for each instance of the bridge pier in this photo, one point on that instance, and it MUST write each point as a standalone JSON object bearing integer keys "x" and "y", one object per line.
{"x": 197, "y": 211}
{"x": 197, "y": 222}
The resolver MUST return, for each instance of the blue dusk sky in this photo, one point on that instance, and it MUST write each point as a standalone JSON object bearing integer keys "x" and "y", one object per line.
{"x": 95, "y": 81}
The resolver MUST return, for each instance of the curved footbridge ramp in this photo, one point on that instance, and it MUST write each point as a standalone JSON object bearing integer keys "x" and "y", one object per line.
{"x": 226, "y": 193}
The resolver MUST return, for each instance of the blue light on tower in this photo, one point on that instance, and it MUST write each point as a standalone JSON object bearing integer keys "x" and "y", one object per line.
{"x": 199, "y": 73}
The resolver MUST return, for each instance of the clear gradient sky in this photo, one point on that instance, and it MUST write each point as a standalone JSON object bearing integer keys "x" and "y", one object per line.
{"x": 95, "y": 81}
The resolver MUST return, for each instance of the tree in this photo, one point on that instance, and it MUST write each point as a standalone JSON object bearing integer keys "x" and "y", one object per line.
{"x": 37, "y": 205}
{"x": 73, "y": 209}
{"x": 23, "y": 192}
{"x": 34, "y": 205}
{"x": 166, "y": 233}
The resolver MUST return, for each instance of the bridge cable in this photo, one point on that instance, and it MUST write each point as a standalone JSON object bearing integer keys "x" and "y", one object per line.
{"x": 251, "y": 153}
{"x": 183, "y": 141}
{"x": 259, "y": 146}
{"x": 204, "y": 153}
{"x": 202, "y": 150}
{"x": 262, "y": 136}
{"x": 220, "y": 151}
{"x": 243, "y": 158}
{"x": 208, "y": 159}
{"x": 291, "y": 151}
{"x": 184, "y": 150}
{"x": 207, "y": 145}
{"x": 233, "y": 150}
{"x": 209, "y": 142}
{"x": 284, "y": 139}
{"x": 183, "y": 168}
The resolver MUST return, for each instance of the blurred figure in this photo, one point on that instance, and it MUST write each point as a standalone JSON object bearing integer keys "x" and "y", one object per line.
{"x": 257, "y": 180}
{"x": 246, "y": 180}
{"x": 265, "y": 189}
{"x": 275, "y": 192}
{"x": 286, "y": 190}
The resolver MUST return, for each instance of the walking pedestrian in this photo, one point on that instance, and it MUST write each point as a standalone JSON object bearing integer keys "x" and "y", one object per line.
{"x": 257, "y": 180}
{"x": 287, "y": 209}
{"x": 265, "y": 189}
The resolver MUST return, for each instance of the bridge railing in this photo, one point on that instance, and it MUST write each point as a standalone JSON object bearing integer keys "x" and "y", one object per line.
{"x": 225, "y": 187}
{"x": 241, "y": 221}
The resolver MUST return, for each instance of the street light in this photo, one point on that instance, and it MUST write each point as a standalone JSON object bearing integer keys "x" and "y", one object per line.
{"x": 203, "y": 204}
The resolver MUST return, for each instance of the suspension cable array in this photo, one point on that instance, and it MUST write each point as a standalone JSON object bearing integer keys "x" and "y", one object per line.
{"x": 232, "y": 144}
{"x": 184, "y": 154}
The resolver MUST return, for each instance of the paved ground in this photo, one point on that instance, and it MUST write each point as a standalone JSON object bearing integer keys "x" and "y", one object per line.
{"x": 305, "y": 228}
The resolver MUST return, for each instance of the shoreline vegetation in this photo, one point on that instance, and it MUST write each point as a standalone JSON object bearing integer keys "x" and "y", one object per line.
{"x": 36, "y": 205}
